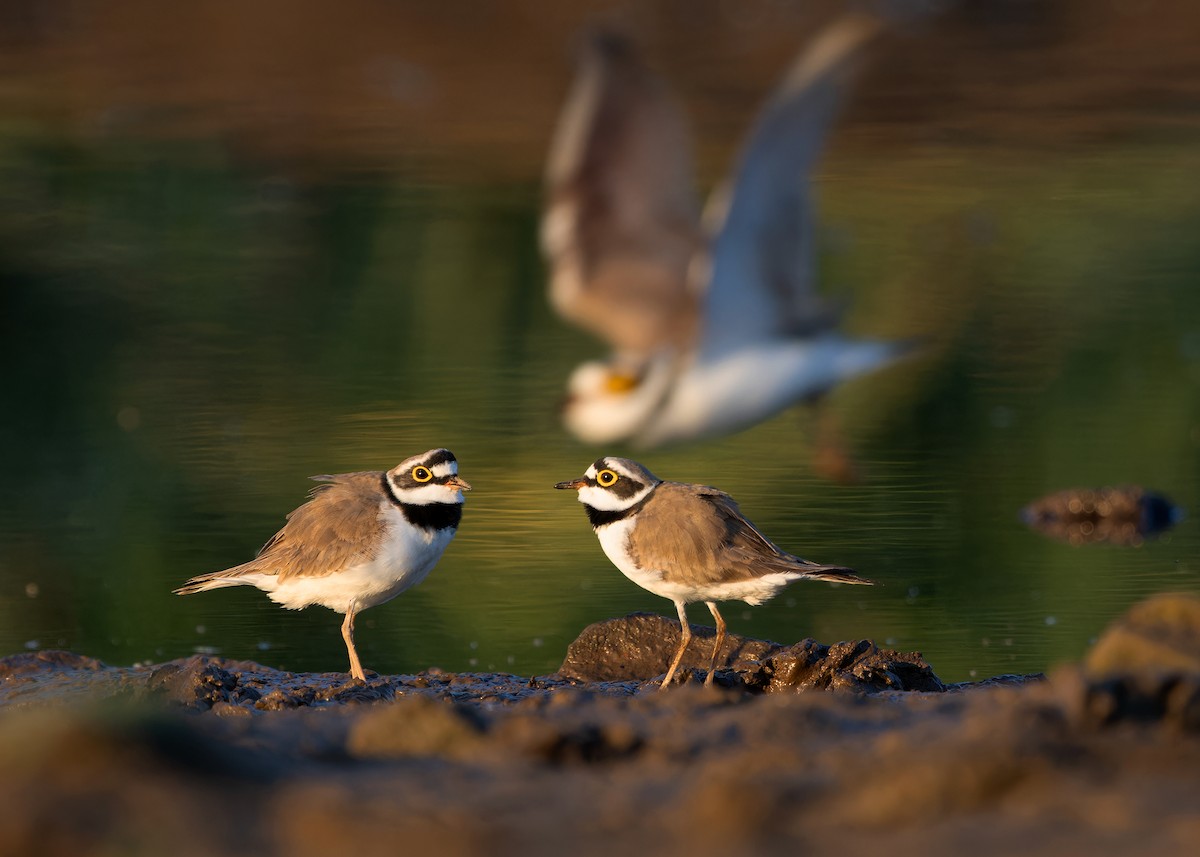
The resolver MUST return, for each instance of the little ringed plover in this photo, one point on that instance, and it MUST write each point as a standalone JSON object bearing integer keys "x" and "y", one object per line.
{"x": 687, "y": 543}
{"x": 361, "y": 540}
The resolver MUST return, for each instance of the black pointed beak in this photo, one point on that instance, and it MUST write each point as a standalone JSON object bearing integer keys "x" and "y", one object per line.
{"x": 573, "y": 483}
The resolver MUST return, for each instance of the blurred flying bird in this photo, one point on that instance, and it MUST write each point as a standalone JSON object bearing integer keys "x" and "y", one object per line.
{"x": 714, "y": 321}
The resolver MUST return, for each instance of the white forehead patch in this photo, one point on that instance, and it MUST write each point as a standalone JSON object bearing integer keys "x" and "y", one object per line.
{"x": 592, "y": 472}
{"x": 624, "y": 471}
{"x": 615, "y": 466}
{"x": 442, "y": 468}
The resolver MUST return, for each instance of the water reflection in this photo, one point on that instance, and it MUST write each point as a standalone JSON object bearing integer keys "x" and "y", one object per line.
{"x": 192, "y": 324}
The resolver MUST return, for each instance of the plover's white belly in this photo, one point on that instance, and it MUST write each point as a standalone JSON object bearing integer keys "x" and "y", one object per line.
{"x": 753, "y": 591}
{"x": 614, "y": 538}
{"x": 405, "y": 558}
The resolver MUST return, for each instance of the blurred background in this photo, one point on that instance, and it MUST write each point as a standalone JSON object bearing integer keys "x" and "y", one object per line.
{"x": 243, "y": 244}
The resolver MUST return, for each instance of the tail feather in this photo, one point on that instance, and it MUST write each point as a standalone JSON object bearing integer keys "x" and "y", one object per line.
{"x": 831, "y": 574}
{"x": 214, "y": 580}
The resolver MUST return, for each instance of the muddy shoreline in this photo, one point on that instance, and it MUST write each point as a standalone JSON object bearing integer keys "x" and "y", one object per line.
{"x": 206, "y": 755}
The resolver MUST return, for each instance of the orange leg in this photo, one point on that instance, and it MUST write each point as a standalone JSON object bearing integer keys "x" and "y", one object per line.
{"x": 356, "y": 670}
{"x": 685, "y": 637}
{"x": 712, "y": 664}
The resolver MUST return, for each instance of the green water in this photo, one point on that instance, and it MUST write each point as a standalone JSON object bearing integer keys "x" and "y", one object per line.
{"x": 186, "y": 337}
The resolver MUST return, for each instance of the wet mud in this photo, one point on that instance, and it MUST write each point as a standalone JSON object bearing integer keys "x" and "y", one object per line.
{"x": 811, "y": 748}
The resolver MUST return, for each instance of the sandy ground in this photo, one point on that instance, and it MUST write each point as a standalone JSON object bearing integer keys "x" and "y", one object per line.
{"x": 205, "y": 755}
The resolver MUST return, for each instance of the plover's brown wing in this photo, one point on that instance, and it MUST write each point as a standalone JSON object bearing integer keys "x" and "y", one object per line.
{"x": 698, "y": 536}
{"x": 760, "y": 282}
{"x": 621, "y": 222}
{"x": 322, "y": 537}
{"x": 753, "y": 552}
{"x": 338, "y": 528}
{"x": 686, "y": 531}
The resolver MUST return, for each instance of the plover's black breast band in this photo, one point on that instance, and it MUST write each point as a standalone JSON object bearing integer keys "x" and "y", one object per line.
{"x": 432, "y": 516}
{"x": 604, "y": 517}
{"x": 427, "y": 516}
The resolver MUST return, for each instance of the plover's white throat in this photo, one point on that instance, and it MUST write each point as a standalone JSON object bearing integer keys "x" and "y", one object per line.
{"x": 687, "y": 543}
{"x": 714, "y": 321}
{"x": 361, "y": 540}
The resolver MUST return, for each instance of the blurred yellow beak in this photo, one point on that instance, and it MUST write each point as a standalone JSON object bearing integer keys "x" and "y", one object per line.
{"x": 620, "y": 382}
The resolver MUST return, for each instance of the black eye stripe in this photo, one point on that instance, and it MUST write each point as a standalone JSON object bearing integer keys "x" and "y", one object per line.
{"x": 625, "y": 487}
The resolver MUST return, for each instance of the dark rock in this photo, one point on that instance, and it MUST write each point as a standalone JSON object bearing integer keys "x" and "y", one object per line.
{"x": 856, "y": 666}
{"x": 1121, "y": 516}
{"x": 1159, "y": 635}
{"x": 641, "y": 645}
{"x": 1172, "y": 699}
{"x": 1145, "y": 667}
{"x": 281, "y": 700}
{"x": 745, "y": 681}
{"x": 34, "y": 678}
{"x": 47, "y": 661}
{"x": 375, "y": 690}
{"x": 195, "y": 682}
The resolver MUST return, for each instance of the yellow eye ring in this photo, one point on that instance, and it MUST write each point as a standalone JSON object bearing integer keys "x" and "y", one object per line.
{"x": 422, "y": 474}
{"x": 606, "y": 478}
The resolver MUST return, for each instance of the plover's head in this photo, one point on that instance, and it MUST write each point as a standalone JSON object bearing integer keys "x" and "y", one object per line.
{"x": 431, "y": 477}
{"x": 613, "y": 484}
